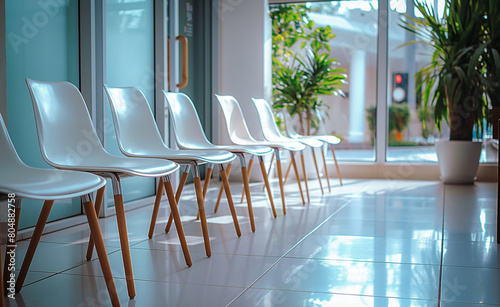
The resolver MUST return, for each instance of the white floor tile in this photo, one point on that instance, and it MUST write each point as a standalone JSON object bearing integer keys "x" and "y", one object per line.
{"x": 418, "y": 251}
{"x": 470, "y": 285}
{"x": 367, "y": 243}
{"x": 257, "y": 297}
{"x": 481, "y": 254}
{"x": 353, "y": 277}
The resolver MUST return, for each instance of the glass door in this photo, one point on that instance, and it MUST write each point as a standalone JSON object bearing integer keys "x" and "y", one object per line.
{"x": 190, "y": 59}
{"x": 195, "y": 26}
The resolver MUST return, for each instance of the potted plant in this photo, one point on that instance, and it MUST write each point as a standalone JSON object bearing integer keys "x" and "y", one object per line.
{"x": 399, "y": 118}
{"x": 453, "y": 82}
{"x": 299, "y": 85}
{"x": 299, "y": 78}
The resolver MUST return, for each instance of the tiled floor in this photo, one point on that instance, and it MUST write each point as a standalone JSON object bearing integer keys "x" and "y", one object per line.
{"x": 367, "y": 243}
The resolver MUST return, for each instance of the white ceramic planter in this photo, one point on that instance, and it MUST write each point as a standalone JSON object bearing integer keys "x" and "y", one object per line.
{"x": 458, "y": 161}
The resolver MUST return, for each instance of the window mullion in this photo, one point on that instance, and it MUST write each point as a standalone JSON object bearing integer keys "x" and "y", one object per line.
{"x": 382, "y": 82}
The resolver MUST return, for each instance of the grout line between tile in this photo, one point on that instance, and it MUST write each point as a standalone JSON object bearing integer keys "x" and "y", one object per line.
{"x": 287, "y": 252}
{"x": 442, "y": 249}
{"x": 39, "y": 280}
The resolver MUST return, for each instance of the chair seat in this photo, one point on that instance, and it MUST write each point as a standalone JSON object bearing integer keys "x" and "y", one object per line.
{"x": 246, "y": 149}
{"x": 37, "y": 183}
{"x": 286, "y": 144}
{"x": 126, "y": 165}
{"x": 252, "y": 149}
{"x": 330, "y": 139}
{"x": 311, "y": 141}
{"x": 293, "y": 146}
{"x": 179, "y": 156}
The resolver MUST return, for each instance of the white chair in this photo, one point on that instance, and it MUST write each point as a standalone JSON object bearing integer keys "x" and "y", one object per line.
{"x": 330, "y": 140}
{"x": 21, "y": 181}
{"x": 239, "y": 134}
{"x": 138, "y": 136}
{"x": 306, "y": 138}
{"x": 272, "y": 133}
{"x": 189, "y": 134}
{"x": 68, "y": 140}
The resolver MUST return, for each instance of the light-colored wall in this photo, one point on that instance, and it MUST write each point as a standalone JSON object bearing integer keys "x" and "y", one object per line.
{"x": 245, "y": 55}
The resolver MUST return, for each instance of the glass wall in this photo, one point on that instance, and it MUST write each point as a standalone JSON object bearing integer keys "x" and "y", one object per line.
{"x": 355, "y": 24}
{"x": 129, "y": 58}
{"x": 410, "y": 133}
{"x": 42, "y": 44}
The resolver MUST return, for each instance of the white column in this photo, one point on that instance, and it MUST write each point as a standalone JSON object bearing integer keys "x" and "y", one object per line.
{"x": 357, "y": 85}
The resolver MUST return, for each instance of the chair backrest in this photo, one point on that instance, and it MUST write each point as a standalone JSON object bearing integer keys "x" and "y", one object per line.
{"x": 268, "y": 124}
{"x": 136, "y": 130}
{"x": 187, "y": 126}
{"x": 288, "y": 124}
{"x": 321, "y": 122}
{"x": 235, "y": 123}
{"x": 9, "y": 159}
{"x": 66, "y": 134}
{"x": 38, "y": 183}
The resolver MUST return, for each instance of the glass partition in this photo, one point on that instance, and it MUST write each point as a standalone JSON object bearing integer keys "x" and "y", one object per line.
{"x": 42, "y": 44}
{"x": 411, "y": 131}
{"x": 355, "y": 24}
{"x": 129, "y": 58}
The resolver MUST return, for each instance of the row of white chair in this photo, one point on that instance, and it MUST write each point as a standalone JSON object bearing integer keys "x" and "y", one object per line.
{"x": 68, "y": 141}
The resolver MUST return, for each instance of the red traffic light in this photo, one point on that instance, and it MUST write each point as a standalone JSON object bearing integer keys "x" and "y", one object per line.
{"x": 399, "y": 79}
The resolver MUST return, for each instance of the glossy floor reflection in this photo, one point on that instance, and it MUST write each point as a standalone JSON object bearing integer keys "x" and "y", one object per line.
{"x": 367, "y": 243}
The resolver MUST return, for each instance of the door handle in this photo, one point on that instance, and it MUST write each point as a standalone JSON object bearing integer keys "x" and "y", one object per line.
{"x": 184, "y": 60}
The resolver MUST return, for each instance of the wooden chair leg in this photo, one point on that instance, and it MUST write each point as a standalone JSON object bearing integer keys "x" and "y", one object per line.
{"x": 305, "y": 174}
{"x": 289, "y": 168}
{"x": 98, "y": 204}
{"x": 336, "y": 164}
{"x": 269, "y": 170}
{"x": 205, "y": 185}
{"x": 270, "y": 165}
{"x": 225, "y": 183}
{"x": 250, "y": 164}
{"x": 37, "y": 234}
{"x": 280, "y": 178}
{"x": 156, "y": 208}
{"x": 201, "y": 211}
{"x": 124, "y": 243}
{"x": 10, "y": 241}
{"x": 317, "y": 170}
{"x": 177, "y": 220}
{"x": 208, "y": 175}
{"x": 101, "y": 251}
{"x": 326, "y": 170}
{"x": 246, "y": 186}
{"x": 178, "y": 193}
{"x": 221, "y": 190}
{"x": 297, "y": 176}
{"x": 266, "y": 182}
